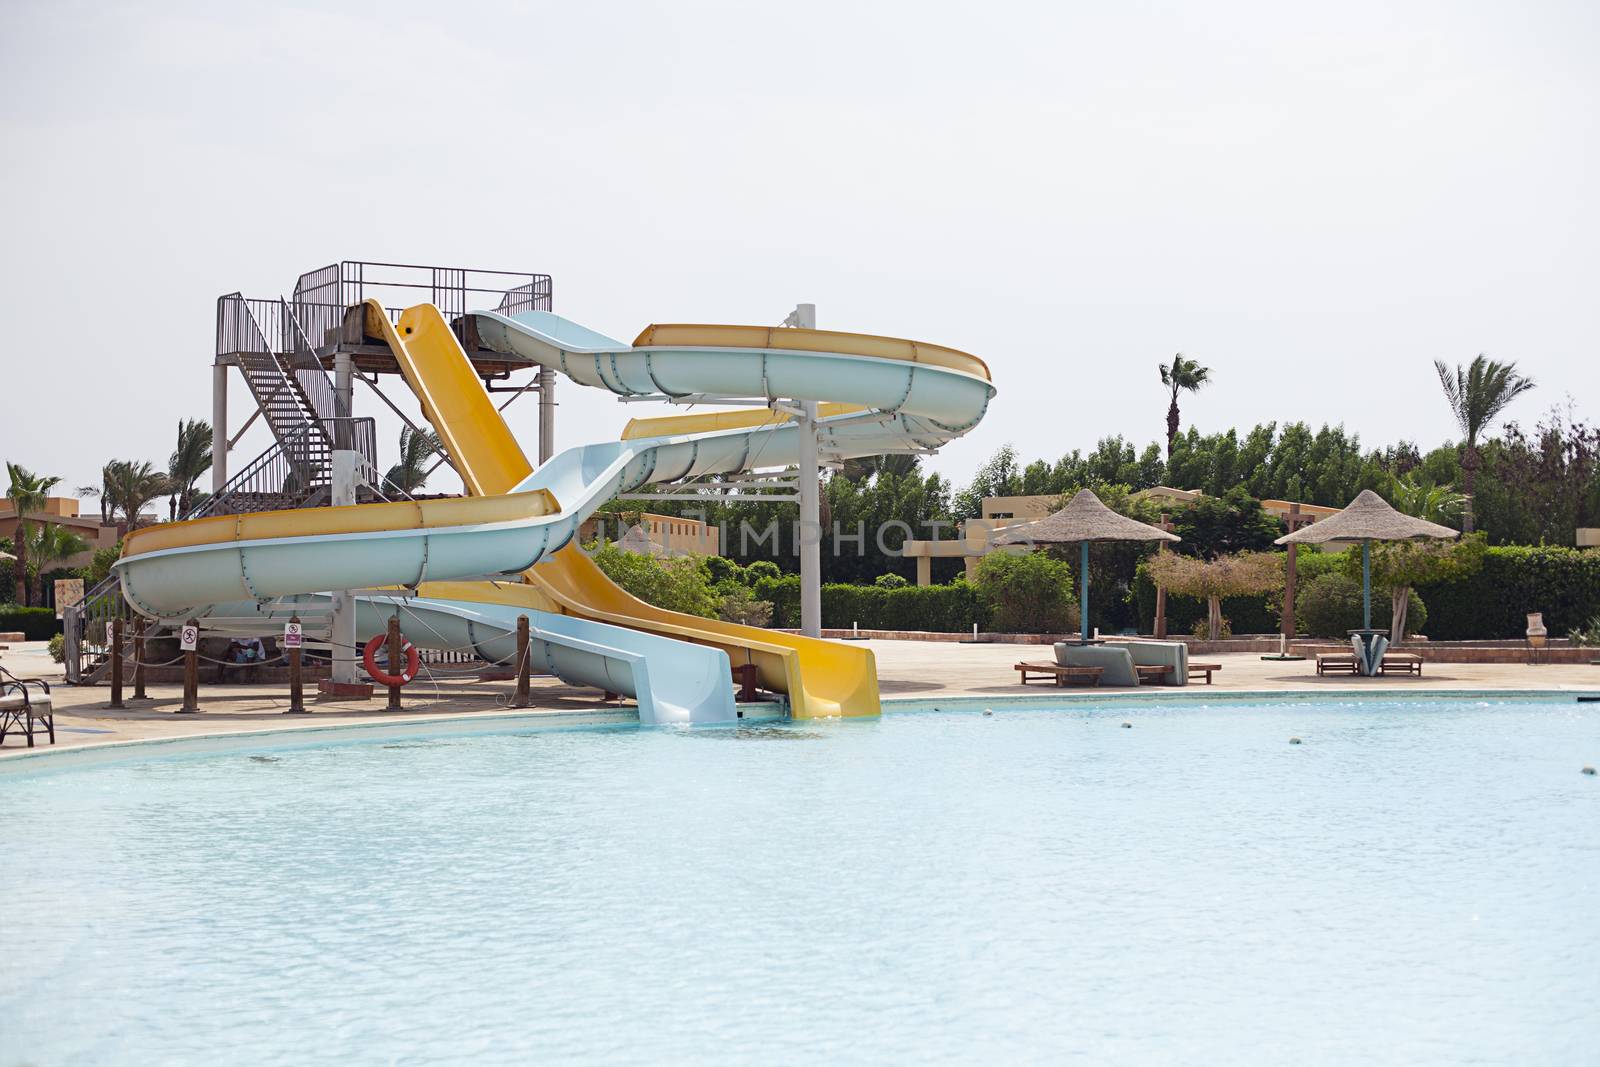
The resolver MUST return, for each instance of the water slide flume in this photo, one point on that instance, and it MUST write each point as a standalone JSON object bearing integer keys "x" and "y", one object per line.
{"x": 897, "y": 395}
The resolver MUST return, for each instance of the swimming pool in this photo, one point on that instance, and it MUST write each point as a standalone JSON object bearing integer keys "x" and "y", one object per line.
{"x": 1417, "y": 882}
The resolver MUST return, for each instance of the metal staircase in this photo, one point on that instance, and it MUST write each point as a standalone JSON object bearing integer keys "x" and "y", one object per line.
{"x": 267, "y": 363}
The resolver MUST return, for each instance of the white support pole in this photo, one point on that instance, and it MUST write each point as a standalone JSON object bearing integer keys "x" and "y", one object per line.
{"x": 346, "y": 467}
{"x": 343, "y": 400}
{"x": 804, "y": 317}
{"x": 810, "y": 534}
{"x": 547, "y": 414}
{"x": 219, "y": 426}
{"x": 346, "y": 463}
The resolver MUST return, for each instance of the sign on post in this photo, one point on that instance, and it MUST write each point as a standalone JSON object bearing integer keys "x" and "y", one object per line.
{"x": 189, "y": 637}
{"x": 292, "y": 635}
{"x": 69, "y": 593}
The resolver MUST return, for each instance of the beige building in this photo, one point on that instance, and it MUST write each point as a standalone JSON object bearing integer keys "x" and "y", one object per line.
{"x": 659, "y": 535}
{"x": 63, "y": 511}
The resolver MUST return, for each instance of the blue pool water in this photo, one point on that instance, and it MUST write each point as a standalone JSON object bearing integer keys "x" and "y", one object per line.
{"x": 1415, "y": 883}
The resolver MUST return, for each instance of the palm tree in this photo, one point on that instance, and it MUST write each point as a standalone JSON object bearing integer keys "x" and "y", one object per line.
{"x": 416, "y": 447}
{"x": 1436, "y": 503}
{"x": 899, "y": 464}
{"x": 188, "y": 462}
{"x": 130, "y": 486}
{"x": 47, "y": 545}
{"x": 97, "y": 491}
{"x": 28, "y": 492}
{"x": 1477, "y": 395}
{"x": 1182, "y": 375}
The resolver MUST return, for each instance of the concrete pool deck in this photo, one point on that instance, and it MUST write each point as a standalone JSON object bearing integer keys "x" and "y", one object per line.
{"x": 917, "y": 672}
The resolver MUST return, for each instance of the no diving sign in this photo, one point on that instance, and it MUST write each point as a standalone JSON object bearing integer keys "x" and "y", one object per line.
{"x": 292, "y": 636}
{"x": 189, "y": 637}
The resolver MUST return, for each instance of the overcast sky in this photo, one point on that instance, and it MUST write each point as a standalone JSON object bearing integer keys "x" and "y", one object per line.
{"x": 1316, "y": 201}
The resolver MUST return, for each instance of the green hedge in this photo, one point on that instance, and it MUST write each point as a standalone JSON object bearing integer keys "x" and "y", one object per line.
{"x": 1330, "y": 605}
{"x": 36, "y": 624}
{"x": 1563, "y": 583}
{"x": 938, "y": 608}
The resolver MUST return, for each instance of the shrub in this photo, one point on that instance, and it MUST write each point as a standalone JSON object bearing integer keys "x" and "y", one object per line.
{"x": 761, "y": 568}
{"x": 1587, "y": 635}
{"x": 739, "y": 606}
{"x": 58, "y": 648}
{"x": 1202, "y": 628}
{"x": 36, "y": 624}
{"x": 682, "y": 584}
{"x": 890, "y": 581}
{"x": 723, "y": 570}
{"x": 1026, "y": 593}
{"x": 1330, "y": 606}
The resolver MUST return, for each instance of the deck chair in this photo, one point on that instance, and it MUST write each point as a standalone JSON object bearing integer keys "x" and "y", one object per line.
{"x": 20, "y": 710}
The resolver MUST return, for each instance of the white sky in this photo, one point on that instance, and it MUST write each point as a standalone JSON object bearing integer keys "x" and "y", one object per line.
{"x": 1314, "y": 200}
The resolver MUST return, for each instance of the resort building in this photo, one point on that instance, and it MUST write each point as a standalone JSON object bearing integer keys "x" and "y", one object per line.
{"x": 63, "y": 511}
{"x": 655, "y": 535}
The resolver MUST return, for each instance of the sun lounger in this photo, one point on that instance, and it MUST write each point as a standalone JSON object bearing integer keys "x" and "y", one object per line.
{"x": 1172, "y": 656}
{"x": 1401, "y": 663}
{"x": 1203, "y": 668}
{"x": 1114, "y": 659}
{"x": 1336, "y": 663}
{"x": 1063, "y": 675}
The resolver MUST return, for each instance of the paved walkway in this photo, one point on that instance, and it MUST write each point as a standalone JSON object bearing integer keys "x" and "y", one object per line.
{"x": 908, "y": 670}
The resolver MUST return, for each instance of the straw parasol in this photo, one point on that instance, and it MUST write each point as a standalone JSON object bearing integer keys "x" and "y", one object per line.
{"x": 1368, "y": 518}
{"x": 1083, "y": 520}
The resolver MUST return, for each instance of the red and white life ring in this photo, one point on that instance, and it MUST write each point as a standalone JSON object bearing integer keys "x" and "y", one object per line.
{"x": 369, "y": 657}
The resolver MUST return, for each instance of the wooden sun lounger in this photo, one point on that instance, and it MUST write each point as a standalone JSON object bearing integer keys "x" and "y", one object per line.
{"x": 1062, "y": 675}
{"x": 1401, "y": 663}
{"x": 1336, "y": 663}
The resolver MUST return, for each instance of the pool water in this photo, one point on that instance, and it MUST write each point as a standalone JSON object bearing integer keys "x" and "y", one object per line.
{"x": 1415, "y": 883}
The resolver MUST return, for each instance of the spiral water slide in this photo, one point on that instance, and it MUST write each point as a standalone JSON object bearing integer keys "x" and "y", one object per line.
{"x": 460, "y": 571}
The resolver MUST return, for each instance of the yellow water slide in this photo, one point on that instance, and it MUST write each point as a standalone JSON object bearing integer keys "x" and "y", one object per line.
{"x": 821, "y": 678}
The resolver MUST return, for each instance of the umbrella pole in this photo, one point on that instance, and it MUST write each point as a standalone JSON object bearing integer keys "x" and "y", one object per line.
{"x": 1083, "y": 584}
{"x": 1366, "y": 585}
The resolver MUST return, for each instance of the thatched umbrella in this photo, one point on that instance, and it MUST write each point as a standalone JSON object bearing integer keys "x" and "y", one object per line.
{"x": 1368, "y": 518}
{"x": 1083, "y": 520}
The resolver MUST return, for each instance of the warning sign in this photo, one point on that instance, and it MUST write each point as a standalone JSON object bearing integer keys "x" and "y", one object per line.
{"x": 292, "y": 636}
{"x": 189, "y": 637}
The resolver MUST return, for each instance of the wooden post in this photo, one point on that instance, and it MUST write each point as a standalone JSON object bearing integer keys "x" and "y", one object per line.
{"x": 1161, "y": 591}
{"x": 116, "y": 664}
{"x": 396, "y": 661}
{"x": 524, "y": 665}
{"x": 138, "y": 658}
{"x": 1294, "y": 520}
{"x": 191, "y": 676}
{"x": 297, "y": 693}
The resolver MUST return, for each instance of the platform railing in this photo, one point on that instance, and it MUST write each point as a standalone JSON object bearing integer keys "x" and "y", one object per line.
{"x": 86, "y": 629}
{"x": 453, "y": 290}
